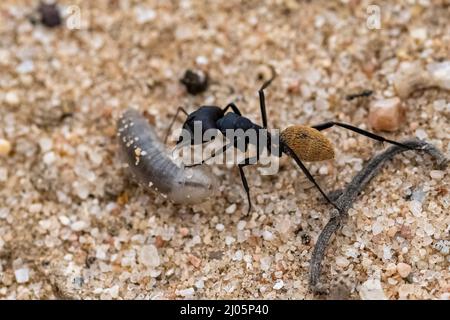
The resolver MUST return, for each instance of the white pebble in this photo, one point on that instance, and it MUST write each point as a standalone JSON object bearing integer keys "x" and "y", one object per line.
{"x": 144, "y": 15}
{"x": 220, "y": 227}
{"x": 372, "y": 290}
{"x": 3, "y": 174}
{"x": 46, "y": 144}
{"x": 49, "y": 158}
{"x": 231, "y": 209}
{"x": 241, "y": 225}
{"x": 64, "y": 220}
{"x": 201, "y": 60}
{"x": 377, "y": 228}
{"x": 113, "y": 291}
{"x": 22, "y": 275}
{"x": 186, "y": 292}
{"x": 437, "y": 174}
{"x": 323, "y": 170}
{"x": 78, "y": 225}
{"x": 238, "y": 255}
{"x": 199, "y": 284}
{"x": 418, "y": 34}
{"x": 229, "y": 240}
{"x": 421, "y": 134}
{"x": 265, "y": 263}
{"x": 26, "y": 66}
{"x": 278, "y": 285}
{"x": 267, "y": 235}
{"x": 416, "y": 208}
{"x": 440, "y": 72}
{"x": 342, "y": 262}
{"x": 12, "y": 98}
{"x": 149, "y": 256}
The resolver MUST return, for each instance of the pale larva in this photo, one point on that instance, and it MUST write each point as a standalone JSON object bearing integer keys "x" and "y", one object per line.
{"x": 150, "y": 165}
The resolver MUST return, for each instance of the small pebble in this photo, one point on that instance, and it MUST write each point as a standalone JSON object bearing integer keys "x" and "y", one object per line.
{"x": 403, "y": 269}
{"x": 386, "y": 115}
{"x": 5, "y": 147}
{"x": 144, "y": 15}
{"x": 186, "y": 292}
{"x": 195, "y": 81}
{"x": 12, "y": 98}
{"x": 372, "y": 290}
{"x": 26, "y": 66}
{"x": 437, "y": 174}
{"x": 440, "y": 72}
{"x": 148, "y": 256}
{"x": 199, "y": 284}
{"x": 342, "y": 262}
{"x": 50, "y": 15}
{"x": 421, "y": 134}
{"x": 220, "y": 227}
{"x": 22, "y": 275}
{"x": 229, "y": 240}
{"x": 419, "y": 34}
{"x": 267, "y": 235}
{"x": 78, "y": 225}
{"x": 241, "y": 225}
{"x": 231, "y": 209}
{"x": 278, "y": 284}
{"x": 416, "y": 208}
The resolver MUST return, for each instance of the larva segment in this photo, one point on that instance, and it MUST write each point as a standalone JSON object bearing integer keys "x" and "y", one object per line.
{"x": 308, "y": 143}
{"x": 150, "y": 165}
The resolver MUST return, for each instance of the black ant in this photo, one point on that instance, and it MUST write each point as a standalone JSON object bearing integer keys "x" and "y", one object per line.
{"x": 302, "y": 143}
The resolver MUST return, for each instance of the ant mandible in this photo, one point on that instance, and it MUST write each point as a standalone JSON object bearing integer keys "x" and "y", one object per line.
{"x": 300, "y": 142}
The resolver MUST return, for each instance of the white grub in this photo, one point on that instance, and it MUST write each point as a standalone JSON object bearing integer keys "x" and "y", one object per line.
{"x": 179, "y": 184}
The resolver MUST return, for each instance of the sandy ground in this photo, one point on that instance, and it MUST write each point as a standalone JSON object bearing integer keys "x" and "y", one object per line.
{"x": 73, "y": 225}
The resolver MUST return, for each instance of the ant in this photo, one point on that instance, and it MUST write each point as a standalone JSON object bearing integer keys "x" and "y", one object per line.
{"x": 302, "y": 143}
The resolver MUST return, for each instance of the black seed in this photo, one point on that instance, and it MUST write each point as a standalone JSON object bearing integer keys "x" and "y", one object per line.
{"x": 50, "y": 15}
{"x": 195, "y": 81}
{"x": 306, "y": 239}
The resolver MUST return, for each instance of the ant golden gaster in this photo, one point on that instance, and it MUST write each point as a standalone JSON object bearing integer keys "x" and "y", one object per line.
{"x": 302, "y": 143}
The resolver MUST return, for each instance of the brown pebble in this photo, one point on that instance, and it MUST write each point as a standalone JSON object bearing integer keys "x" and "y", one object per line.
{"x": 403, "y": 269}
{"x": 184, "y": 231}
{"x": 195, "y": 261}
{"x": 122, "y": 199}
{"x": 405, "y": 232}
{"x": 159, "y": 242}
{"x": 386, "y": 115}
{"x": 392, "y": 231}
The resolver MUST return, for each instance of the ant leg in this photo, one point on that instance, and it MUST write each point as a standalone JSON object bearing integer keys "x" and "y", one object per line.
{"x": 309, "y": 176}
{"x": 262, "y": 98}
{"x": 371, "y": 135}
{"x": 173, "y": 121}
{"x": 246, "y": 162}
{"x": 233, "y": 106}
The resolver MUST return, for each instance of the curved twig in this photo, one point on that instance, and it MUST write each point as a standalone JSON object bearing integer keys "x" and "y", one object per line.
{"x": 346, "y": 199}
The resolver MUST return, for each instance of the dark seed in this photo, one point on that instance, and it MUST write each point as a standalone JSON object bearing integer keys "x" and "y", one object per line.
{"x": 50, "y": 15}
{"x": 195, "y": 81}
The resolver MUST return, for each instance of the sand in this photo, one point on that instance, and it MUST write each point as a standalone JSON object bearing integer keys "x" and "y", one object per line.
{"x": 74, "y": 225}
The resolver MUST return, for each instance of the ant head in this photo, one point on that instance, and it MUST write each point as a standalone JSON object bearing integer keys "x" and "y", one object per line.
{"x": 307, "y": 143}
